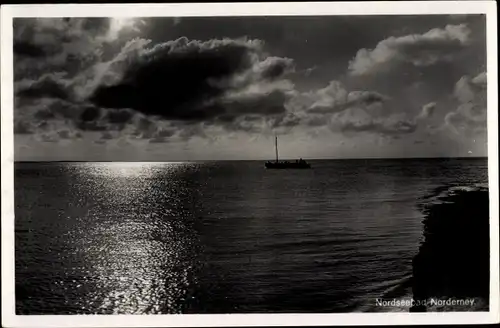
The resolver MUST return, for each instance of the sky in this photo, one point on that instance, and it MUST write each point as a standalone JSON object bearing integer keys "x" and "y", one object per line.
{"x": 221, "y": 88}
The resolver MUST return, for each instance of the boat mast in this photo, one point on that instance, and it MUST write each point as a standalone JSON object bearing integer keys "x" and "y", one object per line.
{"x": 276, "y": 146}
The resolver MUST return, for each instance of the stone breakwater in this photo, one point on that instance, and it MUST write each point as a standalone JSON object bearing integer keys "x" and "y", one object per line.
{"x": 453, "y": 259}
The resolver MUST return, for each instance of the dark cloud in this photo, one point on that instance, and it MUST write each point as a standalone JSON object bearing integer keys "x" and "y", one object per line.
{"x": 198, "y": 81}
{"x": 365, "y": 97}
{"x": 106, "y": 135}
{"x": 29, "y": 50}
{"x": 43, "y": 125}
{"x": 315, "y": 121}
{"x": 56, "y": 134}
{"x": 21, "y": 127}
{"x": 44, "y": 114}
{"x": 144, "y": 128}
{"x": 90, "y": 114}
{"x": 48, "y": 85}
{"x": 163, "y": 133}
{"x": 43, "y": 45}
{"x": 52, "y": 108}
{"x": 81, "y": 116}
{"x": 158, "y": 140}
{"x": 50, "y": 112}
{"x": 119, "y": 116}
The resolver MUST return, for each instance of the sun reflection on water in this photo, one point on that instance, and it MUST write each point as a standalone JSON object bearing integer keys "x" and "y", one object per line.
{"x": 141, "y": 259}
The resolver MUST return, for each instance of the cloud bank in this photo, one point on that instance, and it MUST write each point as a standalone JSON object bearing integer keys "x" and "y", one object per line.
{"x": 417, "y": 49}
{"x": 100, "y": 79}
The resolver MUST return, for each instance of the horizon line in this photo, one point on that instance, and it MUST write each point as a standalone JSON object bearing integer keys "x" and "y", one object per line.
{"x": 244, "y": 160}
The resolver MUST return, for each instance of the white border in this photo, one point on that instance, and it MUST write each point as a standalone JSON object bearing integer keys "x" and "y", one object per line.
{"x": 9, "y": 319}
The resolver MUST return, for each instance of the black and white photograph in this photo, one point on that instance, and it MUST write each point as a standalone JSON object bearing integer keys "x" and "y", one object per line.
{"x": 168, "y": 164}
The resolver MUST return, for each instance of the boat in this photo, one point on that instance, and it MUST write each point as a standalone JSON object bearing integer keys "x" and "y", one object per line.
{"x": 298, "y": 164}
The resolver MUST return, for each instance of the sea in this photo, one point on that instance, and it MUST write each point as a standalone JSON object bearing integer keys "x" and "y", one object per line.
{"x": 222, "y": 236}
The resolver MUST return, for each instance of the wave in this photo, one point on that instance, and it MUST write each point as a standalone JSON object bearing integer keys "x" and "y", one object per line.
{"x": 445, "y": 194}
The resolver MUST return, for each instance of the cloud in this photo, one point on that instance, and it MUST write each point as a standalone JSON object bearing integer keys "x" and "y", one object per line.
{"x": 319, "y": 108}
{"x": 39, "y": 112}
{"x": 51, "y": 85}
{"x": 118, "y": 25}
{"x": 470, "y": 116}
{"x": 462, "y": 124}
{"x": 192, "y": 130}
{"x": 480, "y": 80}
{"x": 22, "y": 127}
{"x": 52, "y": 114}
{"x": 192, "y": 86}
{"x": 359, "y": 120}
{"x": 158, "y": 140}
{"x": 108, "y": 72}
{"x": 344, "y": 111}
{"x": 26, "y": 49}
{"x": 425, "y": 49}
{"x": 118, "y": 119}
{"x": 56, "y": 135}
{"x": 308, "y": 71}
{"x": 106, "y": 135}
{"x": 144, "y": 128}
{"x": 464, "y": 90}
{"x": 69, "y": 134}
{"x": 92, "y": 118}
{"x": 427, "y": 111}
{"x": 327, "y": 99}
{"x": 49, "y": 137}
{"x": 55, "y": 59}
{"x": 44, "y": 44}
{"x": 333, "y": 98}
{"x": 198, "y": 81}
{"x": 178, "y": 89}
{"x": 469, "y": 89}
{"x": 162, "y": 135}
{"x": 165, "y": 133}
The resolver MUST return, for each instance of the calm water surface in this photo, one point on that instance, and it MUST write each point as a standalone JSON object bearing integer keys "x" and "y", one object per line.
{"x": 221, "y": 237}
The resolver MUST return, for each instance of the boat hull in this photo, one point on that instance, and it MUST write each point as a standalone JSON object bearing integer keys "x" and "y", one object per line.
{"x": 284, "y": 166}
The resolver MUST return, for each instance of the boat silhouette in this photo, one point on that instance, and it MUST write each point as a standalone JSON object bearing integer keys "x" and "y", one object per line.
{"x": 298, "y": 164}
